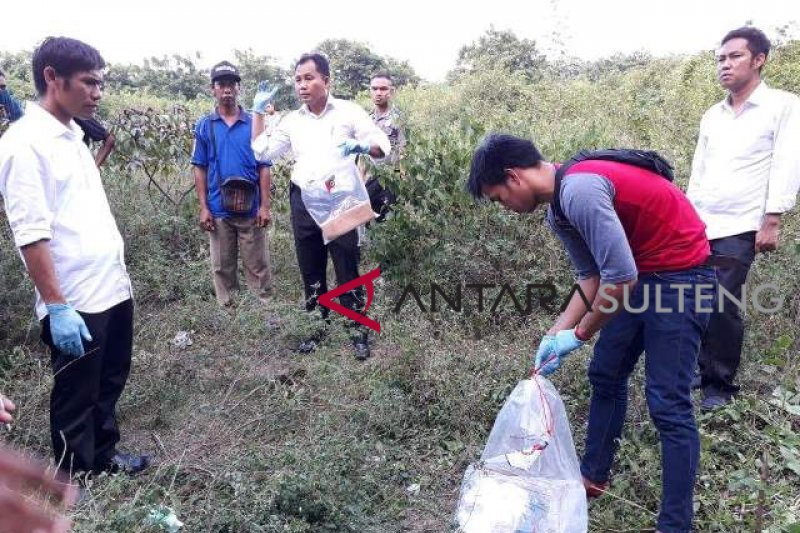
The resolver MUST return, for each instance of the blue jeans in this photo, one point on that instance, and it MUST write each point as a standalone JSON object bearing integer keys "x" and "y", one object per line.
{"x": 670, "y": 340}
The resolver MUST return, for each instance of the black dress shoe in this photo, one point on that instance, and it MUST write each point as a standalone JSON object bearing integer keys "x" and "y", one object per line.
{"x": 361, "y": 347}
{"x": 127, "y": 464}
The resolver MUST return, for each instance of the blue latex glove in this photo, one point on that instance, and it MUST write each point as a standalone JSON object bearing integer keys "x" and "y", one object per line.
{"x": 543, "y": 352}
{"x": 553, "y": 349}
{"x": 263, "y": 97}
{"x": 352, "y": 146}
{"x": 67, "y": 328}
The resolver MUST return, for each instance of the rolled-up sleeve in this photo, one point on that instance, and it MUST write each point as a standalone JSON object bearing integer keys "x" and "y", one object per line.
{"x": 784, "y": 174}
{"x": 23, "y": 186}
{"x": 270, "y": 148}
{"x": 365, "y": 130}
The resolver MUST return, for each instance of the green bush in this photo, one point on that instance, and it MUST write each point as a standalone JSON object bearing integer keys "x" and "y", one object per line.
{"x": 250, "y": 437}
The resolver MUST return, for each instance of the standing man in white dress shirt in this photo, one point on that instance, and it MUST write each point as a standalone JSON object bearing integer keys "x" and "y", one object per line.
{"x": 321, "y": 126}
{"x": 745, "y": 175}
{"x": 73, "y": 252}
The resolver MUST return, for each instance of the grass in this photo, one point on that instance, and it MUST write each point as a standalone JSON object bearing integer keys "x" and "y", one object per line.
{"x": 249, "y": 436}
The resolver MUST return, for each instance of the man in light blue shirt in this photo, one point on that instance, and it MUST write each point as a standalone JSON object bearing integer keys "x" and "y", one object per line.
{"x": 222, "y": 152}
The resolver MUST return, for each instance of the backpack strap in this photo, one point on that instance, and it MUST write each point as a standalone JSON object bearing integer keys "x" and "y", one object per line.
{"x": 555, "y": 203}
{"x": 213, "y": 138}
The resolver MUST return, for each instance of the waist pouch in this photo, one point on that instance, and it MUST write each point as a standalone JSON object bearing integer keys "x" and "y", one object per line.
{"x": 238, "y": 195}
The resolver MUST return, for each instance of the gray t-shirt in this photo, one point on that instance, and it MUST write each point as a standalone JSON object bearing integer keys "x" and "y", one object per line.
{"x": 595, "y": 239}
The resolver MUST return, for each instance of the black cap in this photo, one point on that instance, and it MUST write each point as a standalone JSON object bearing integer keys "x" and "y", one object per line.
{"x": 224, "y": 69}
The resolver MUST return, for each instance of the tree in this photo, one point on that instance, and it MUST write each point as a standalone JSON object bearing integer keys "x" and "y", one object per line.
{"x": 19, "y": 74}
{"x": 353, "y": 64}
{"x": 500, "y": 49}
{"x": 167, "y": 76}
{"x": 255, "y": 68}
{"x": 615, "y": 64}
{"x": 401, "y": 71}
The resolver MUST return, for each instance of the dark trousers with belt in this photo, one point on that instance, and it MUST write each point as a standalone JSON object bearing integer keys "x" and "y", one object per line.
{"x": 83, "y": 424}
{"x": 312, "y": 256}
{"x": 721, "y": 348}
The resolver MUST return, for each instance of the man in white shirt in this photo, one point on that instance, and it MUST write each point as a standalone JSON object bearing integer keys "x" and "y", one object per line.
{"x": 73, "y": 251}
{"x": 322, "y": 127}
{"x": 745, "y": 175}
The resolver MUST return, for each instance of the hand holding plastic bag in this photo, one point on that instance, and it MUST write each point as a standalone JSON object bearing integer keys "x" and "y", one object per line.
{"x": 335, "y": 196}
{"x": 553, "y": 349}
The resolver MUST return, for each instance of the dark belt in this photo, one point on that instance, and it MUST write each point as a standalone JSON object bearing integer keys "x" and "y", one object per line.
{"x": 723, "y": 261}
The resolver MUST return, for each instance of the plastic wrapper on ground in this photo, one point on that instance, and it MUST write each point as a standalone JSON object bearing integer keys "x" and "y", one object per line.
{"x": 528, "y": 478}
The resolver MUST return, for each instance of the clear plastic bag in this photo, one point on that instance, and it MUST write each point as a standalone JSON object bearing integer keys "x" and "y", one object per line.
{"x": 528, "y": 479}
{"x": 335, "y": 196}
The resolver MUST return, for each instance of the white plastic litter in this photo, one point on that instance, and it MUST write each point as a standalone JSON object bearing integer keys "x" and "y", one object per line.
{"x": 164, "y": 518}
{"x": 528, "y": 479}
{"x": 335, "y": 196}
{"x": 182, "y": 340}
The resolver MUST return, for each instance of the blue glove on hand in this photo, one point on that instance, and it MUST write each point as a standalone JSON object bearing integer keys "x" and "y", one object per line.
{"x": 543, "y": 352}
{"x": 553, "y": 349}
{"x": 67, "y": 328}
{"x": 263, "y": 97}
{"x": 352, "y": 146}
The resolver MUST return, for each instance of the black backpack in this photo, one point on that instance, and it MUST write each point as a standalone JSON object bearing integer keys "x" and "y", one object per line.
{"x": 646, "y": 159}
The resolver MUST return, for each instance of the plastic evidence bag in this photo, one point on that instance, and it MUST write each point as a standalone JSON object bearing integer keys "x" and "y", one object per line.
{"x": 528, "y": 479}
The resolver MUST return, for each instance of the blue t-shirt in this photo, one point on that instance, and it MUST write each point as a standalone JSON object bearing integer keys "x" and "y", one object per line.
{"x": 13, "y": 108}
{"x": 236, "y": 157}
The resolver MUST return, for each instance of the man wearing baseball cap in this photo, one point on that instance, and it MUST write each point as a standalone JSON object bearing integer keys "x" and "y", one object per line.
{"x": 223, "y": 158}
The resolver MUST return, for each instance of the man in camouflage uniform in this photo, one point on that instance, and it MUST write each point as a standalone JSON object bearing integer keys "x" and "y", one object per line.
{"x": 389, "y": 120}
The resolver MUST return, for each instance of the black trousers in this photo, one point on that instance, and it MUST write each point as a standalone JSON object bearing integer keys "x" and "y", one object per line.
{"x": 721, "y": 348}
{"x": 312, "y": 257}
{"x": 83, "y": 424}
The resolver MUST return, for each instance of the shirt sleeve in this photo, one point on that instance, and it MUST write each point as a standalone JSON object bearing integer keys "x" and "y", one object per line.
{"x": 400, "y": 124}
{"x": 784, "y": 173}
{"x": 22, "y": 184}
{"x": 587, "y": 202}
{"x": 579, "y": 254}
{"x": 270, "y": 148}
{"x": 698, "y": 162}
{"x": 13, "y": 107}
{"x": 93, "y": 129}
{"x": 365, "y": 130}
{"x": 200, "y": 149}
{"x": 401, "y": 137}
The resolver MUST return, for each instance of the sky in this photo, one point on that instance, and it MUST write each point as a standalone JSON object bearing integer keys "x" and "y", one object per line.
{"x": 426, "y": 33}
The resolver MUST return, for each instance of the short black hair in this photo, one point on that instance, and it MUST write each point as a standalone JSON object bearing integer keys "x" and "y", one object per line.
{"x": 382, "y": 74}
{"x": 496, "y": 153}
{"x": 320, "y": 63}
{"x": 66, "y": 56}
{"x": 757, "y": 42}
